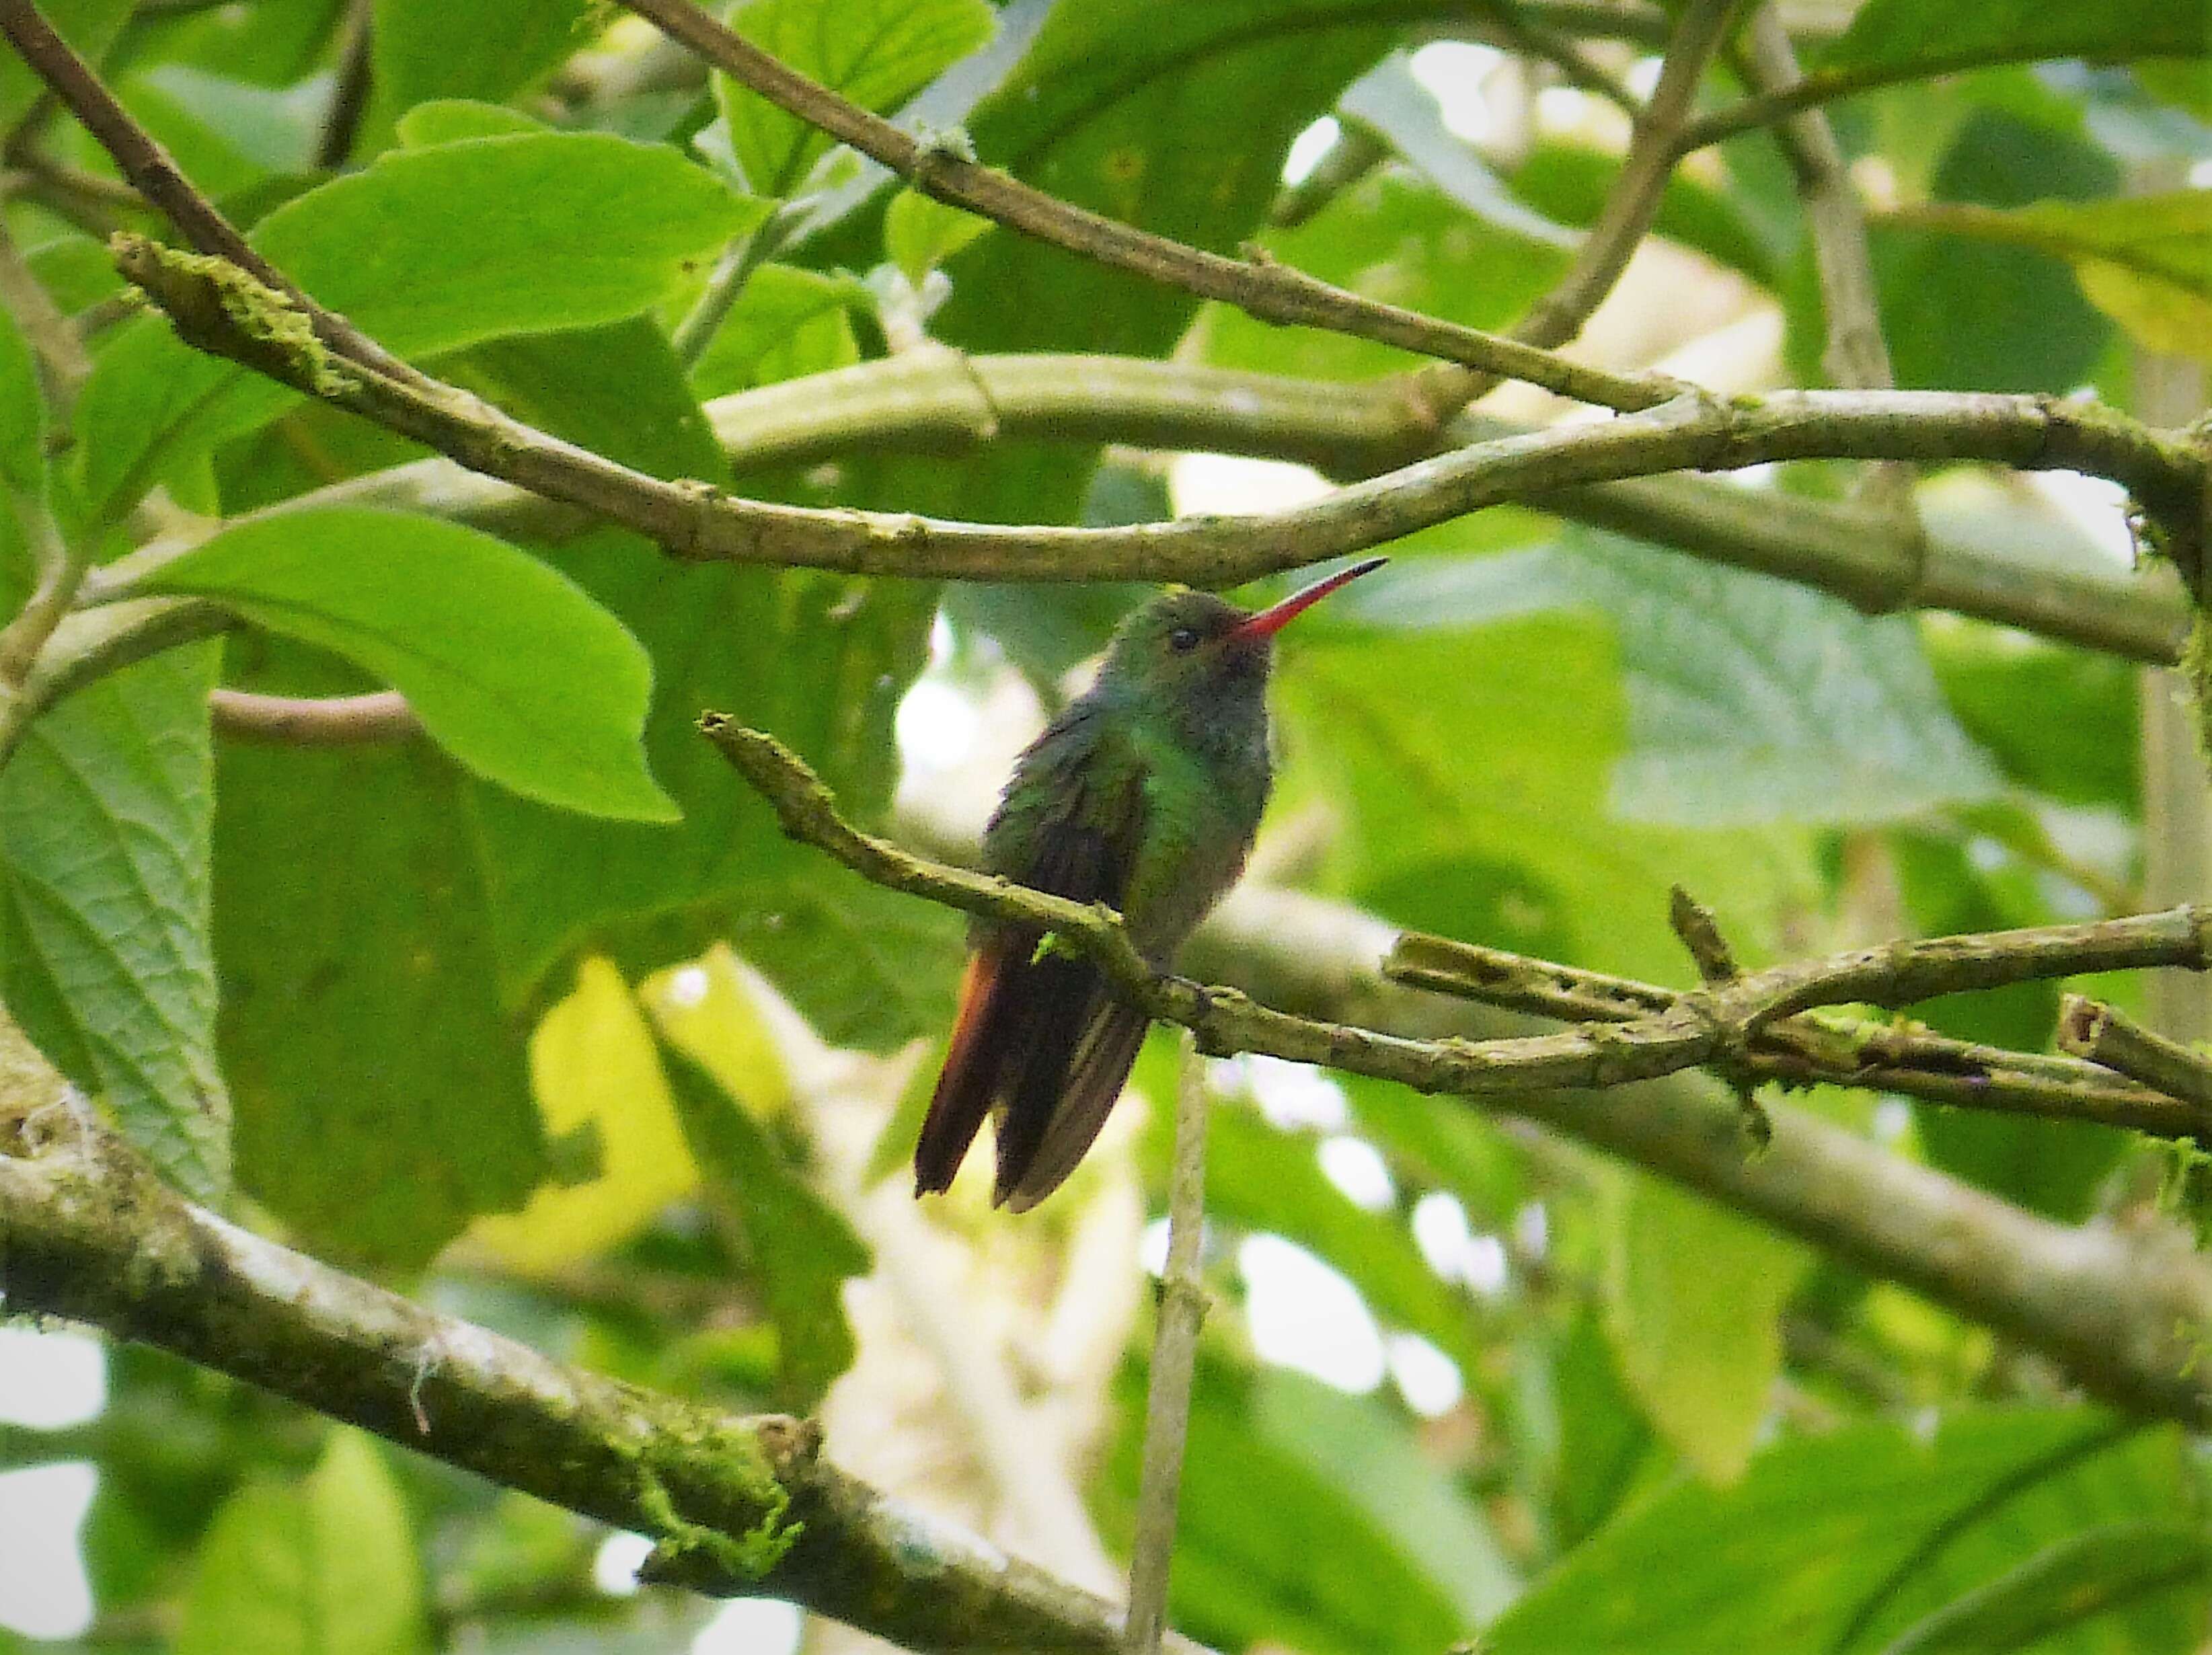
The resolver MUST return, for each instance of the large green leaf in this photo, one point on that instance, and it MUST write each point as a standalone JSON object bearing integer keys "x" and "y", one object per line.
{"x": 487, "y": 49}
{"x": 1101, "y": 111}
{"x": 878, "y": 54}
{"x": 510, "y": 667}
{"x": 325, "y": 1567}
{"x": 1470, "y": 767}
{"x": 1755, "y": 700}
{"x": 1832, "y": 1542}
{"x": 383, "y": 1096}
{"x": 104, "y": 907}
{"x": 425, "y": 251}
{"x": 798, "y": 1249}
{"x": 2077, "y": 1579}
{"x": 2146, "y": 261}
{"x": 1956, "y": 312}
{"x": 1908, "y": 37}
{"x": 1570, "y": 183}
{"x": 1693, "y": 1300}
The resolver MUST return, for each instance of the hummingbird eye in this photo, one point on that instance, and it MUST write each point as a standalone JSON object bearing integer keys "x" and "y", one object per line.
{"x": 1183, "y": 640}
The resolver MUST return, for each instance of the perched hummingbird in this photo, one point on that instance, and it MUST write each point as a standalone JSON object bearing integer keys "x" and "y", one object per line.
{"x": 1145, "y": 792}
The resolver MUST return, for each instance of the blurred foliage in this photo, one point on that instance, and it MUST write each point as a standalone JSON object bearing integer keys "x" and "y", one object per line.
{"x": 466, "y": 1012}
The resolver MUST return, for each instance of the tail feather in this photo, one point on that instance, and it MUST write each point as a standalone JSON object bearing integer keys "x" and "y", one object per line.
{"x": 973, "y": 1062}
{"x": 1095, "y": 1075}
{"x": 1062, "y": 997}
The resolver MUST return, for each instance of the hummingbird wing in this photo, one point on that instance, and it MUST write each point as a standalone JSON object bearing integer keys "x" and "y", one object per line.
{"x": 1039, "y": 1036}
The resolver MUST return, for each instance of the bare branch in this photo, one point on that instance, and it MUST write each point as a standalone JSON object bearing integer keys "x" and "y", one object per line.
{"x": 2091, "y": 1029}
{"x": 314, "y": 721}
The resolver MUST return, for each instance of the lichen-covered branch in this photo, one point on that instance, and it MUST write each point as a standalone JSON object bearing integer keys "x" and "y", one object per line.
{"x": 1645, "y": 1034}
{"x": 739, "y": 1505}
{"x": 1696, "y": 432}
{"x": 1803, "y": 1050}
{"x": 2127, "y": 1314}
{"x": 940, "y": 402}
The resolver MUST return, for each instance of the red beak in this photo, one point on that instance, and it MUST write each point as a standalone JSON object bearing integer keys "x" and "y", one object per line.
{"x": 1273, "y": 618}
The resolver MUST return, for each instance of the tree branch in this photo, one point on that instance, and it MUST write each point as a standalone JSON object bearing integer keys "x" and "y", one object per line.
{"x": 1273, "y": 293}
{"x": 2091, "y": 1029}
{"x": 1175, "y": 1355}
{"x": 944, "y": 403}
{"x": 1716, "y": 1025}
{"x": 691, "y": 519}
{"x": 2126, "y": 1315}
{"x": 740, "y": 1506}
{"x": 156, "y": 177}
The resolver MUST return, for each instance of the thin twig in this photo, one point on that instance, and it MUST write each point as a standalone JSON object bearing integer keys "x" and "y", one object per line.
{"x": 2089, "y": 1028}
{"x": 744, "y": 255}
{"x": 313, "y": 721}
{"x": 349, "y": 96}
{"x": 60, "y": 560}
{"x": 1174, "y": 1357}
{"x": 1533, "y": 40}
{"x": 1273, "y": 293}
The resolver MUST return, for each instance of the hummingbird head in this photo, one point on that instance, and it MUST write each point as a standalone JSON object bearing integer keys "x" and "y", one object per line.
{"x": 1193, "y": 645}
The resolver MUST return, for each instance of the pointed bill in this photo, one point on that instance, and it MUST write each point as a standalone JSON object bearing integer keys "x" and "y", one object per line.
{"x": 1273, "y": 618}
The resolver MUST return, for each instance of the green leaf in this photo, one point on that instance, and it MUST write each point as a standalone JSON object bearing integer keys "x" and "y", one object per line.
{"x": 22, "y": 414}
{"x": 878, "y": 54}
{"x": 514, "y": 671}
{"x": 425, "y": 251}
{"x": 1825, "y": 1542}
{"x": 1754, "y": 699}
{"x": 323, "y": 1566}
{"x": 1477, "y": 806}
{"x": 826, "y": 658}
{"x": 2079, "y": 1578}
{"x": 1398, "y": 239}
{"x": 1953, "y": 310}
{"x": 1364, "y": 1448}
{"x": 1102, "y": 111}
{"x": 2060, "y": 720}
{"x": 1603, "y": 1441}
{"x": 919, "y": 233}
{"x": 800, "y": 1250}
{"x": 1908, "y": 37}
{"x": 1263, "y": 1180}
{"x": 787, "y": 324}
{"x": 1274, "y": 1544}
{"x": 486, "y": 50}
{"x": 455, "y": 121}
{"x": 381, "y": 1082}
{"x": 1397, "y": 108}
{"x": 90, "y": 26}
{"x": 1693, "y": 1298}
{"x": 104, "y": 907}
{"x": 2146, "y": 261}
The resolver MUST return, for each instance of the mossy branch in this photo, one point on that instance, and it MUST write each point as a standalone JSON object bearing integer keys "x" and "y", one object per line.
{"x": 741, "y": 1506}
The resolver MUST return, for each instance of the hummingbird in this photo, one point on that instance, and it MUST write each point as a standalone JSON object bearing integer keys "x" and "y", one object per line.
{"x": 1143, "y": 794}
